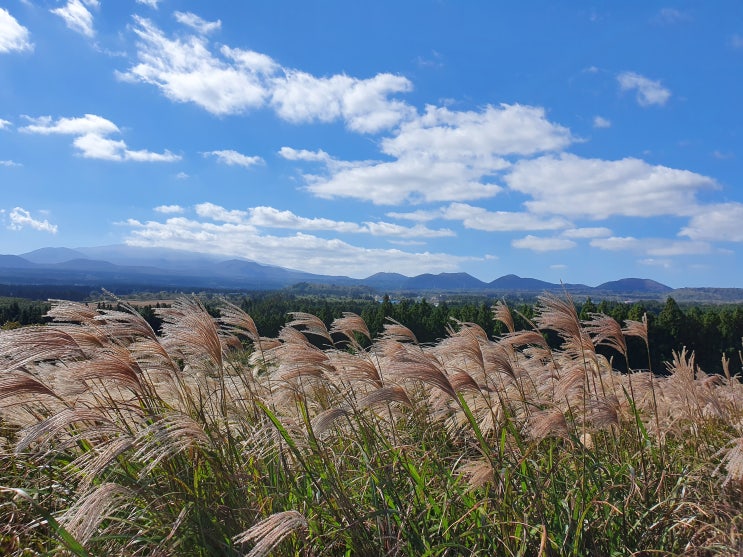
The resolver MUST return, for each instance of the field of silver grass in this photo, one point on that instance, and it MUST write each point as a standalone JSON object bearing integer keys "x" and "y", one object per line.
{"x": 212, "y": 440}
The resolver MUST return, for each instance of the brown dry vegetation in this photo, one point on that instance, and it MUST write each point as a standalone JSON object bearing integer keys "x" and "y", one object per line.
{"x": 211, "y": 440}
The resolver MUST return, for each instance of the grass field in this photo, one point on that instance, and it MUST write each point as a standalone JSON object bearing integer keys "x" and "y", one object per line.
{"x": 212, "y": 440}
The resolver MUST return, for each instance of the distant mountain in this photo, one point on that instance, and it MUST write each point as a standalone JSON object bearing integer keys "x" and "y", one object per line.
{"x": 162, "y": 258}
{"x": 46, "y": 256}
{"x": 444, "y": 281}
{"x": 514, "y": 282}
{"x": 120, "y": 266}
{"x": 386, "y": 281}
{"x": 635, "y": 285}
{"x": 14, "y": 262}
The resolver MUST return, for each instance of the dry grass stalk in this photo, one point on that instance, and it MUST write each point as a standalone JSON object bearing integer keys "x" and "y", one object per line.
{"x": 605, "y": 331}
{"x": 190, "y": 332}
{"x": 309, "y": 325}
{"x": 385, "y": 395}
{"x": 269, "y": 532}
{"x": 478, "y": 473}
{"x": 166, "y": 437}
{"x": 637, "y": 328}
{"x": 502, "y": 313}
{"x": 547, "y": 423}
{"x": 394, "y": 330}
{"x": 238, "y": 322}
{"x": 348, "y": 325}
{"x": 323, "y": 421}
{"x": 85, "y": 516}
{"x": 733, "y": 461}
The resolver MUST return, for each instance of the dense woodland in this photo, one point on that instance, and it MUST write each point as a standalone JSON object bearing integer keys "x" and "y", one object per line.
{"x": 707, "y": 330}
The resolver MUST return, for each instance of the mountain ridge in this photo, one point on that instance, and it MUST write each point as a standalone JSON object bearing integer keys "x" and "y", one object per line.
{"x": 117, "y": 265}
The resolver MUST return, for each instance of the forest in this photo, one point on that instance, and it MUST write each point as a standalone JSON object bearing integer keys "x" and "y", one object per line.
{"x": 708, "y": 330}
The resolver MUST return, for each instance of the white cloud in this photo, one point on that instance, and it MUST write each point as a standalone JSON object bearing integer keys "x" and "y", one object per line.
{"x": 150, "y": 3}
{"x": 4, "y": 124}
{"x": 91, "y": 139}
{"x": 10, "y": 163}
{"x": 182, "y": 176}
{"x": 362, "y": 103}
{"x": 196, "y": 23}
{"x": 416, "y": 216}
{"x": 538, "y": 244}
{"x": 478, "y": 218}
{"x": 169, "y": 209}
{"x": 589, "y": 232}
{"x": 649, "y": 92}
{"x": 656, "y": 247}
{"x": 600, "y": 122}
{"x": 479, "y": 136}
{"x": 299, "y": 251}
{"x": 14, "y": 37}
{"x": 671, "y": 16}
{"x": 234, "y": 81}
{"x": 77, "y": 16}
{"x": 273, "y": 218}
{"x": 304, "y": 155}
{"x": 186, "y": 71}
{"x": 413, "y": 180}
{"x": 233, "y": 158}
{"x": 20, "y": 218}
{"x": 444, "y": 155}
{"x": 653, "y": 262}
{"x": 88, "y": 124}
{"x": 220, "y": 214}
{"x": 720, "y": 222}
{"x": 571, "y": 186}
{"x": 617, "y": 243}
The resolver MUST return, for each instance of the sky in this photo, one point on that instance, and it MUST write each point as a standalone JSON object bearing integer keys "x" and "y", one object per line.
{"x": 578, "y": 141}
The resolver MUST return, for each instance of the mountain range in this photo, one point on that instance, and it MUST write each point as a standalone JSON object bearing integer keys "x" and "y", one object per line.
{"x": 119, "y": 266}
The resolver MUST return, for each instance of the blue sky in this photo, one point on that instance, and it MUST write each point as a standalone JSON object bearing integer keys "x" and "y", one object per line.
{"x": 574, "y": 141}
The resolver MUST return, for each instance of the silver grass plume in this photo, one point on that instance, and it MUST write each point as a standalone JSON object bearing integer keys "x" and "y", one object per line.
{"x": 269, "y": 532}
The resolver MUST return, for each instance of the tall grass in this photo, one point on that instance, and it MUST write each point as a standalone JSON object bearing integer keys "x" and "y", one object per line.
{"x": 212, "y": 440}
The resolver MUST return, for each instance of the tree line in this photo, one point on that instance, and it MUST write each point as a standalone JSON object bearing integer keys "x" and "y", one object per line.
{"x": 708, "y": 330}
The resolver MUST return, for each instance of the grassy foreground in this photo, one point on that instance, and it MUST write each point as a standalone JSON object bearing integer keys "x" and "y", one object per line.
{"x": 211, "y": 440}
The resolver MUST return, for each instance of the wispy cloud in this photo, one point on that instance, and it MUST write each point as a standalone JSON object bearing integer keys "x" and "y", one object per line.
{"x": 231, "y": 80}
{"x": 20, "y": 218}
{"x": 444, "y": 155}
{"x": 77, "y": 16}
{"x": 10, "y": 163}
{"x": 478, "y": 218}
{"x": 719, "y": 222}
{"x": 600, "y": 122}
{"x": 270, "y": 217}
{"x": 196, "y": 23}
{"x": 535, "y": 243}
{"x": 589, "y": 232}
{"x": 169, "y": 209}
{"x": 649, "y": 92}
{"x": 597, "y": 189}
{"x": 91, "y": 138}
{"x": 14, "y": 37}
{"x": 233, "y": 158}
{"x": 671, "y": 16}
{"x": 236, "y": 237}
{"x": 304, "y": 155}
{"x": 655, "y": 247}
